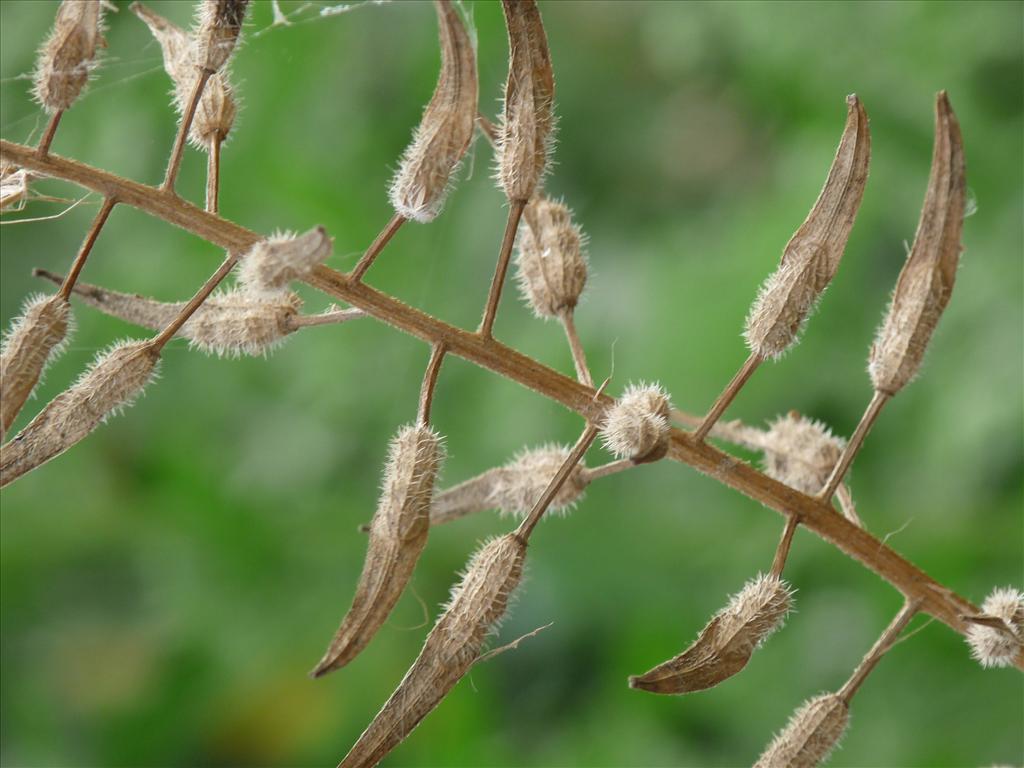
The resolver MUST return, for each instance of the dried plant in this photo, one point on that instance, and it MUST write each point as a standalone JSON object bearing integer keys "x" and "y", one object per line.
{"x": 804, "y": 462}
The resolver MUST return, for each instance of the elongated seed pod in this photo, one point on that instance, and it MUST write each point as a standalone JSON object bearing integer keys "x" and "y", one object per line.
{"x": 446, "y": 129}
{"x": 812, "y": 733}
{"x": 997, "y": 645}
{"x": 270, "y": 265}
{"x": 514, "y": 488}
{"x": 812, "y": 255}
{"x": 114, "y": 380}
{"x": 478, "y": 602}
{"x": 398, "y": 534}
{"x": 552, "y": 270}
{"x": 527, "y": 126}
{"x": 216, "y": 111}
{"x": 801, "y": 452}
{"x": 637, "y": 425}
{"x": 34, "y": 340}
{"x": 926, "y": 282}
{"x": 67, "y": 56}
{"x": 218, "y": 26}
{"x": 726, "y": 644}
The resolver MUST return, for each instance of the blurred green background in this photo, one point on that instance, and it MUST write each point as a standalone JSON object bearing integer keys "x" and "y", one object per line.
{"x": 167, "y": 584}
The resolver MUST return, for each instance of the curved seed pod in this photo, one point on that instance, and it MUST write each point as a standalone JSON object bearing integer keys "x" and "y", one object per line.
{"x": 398, "y": 534}
{"x": 219, "y": 23}
{"x": 33, "y": 342}
{"x": 273, "y": 263}
{"x": 552, "y": 268}
{"x": 217, "y": 108}
{"x": 111, "y": 383}
{"x": 810, "y": 736}
{"x": 527, "y": 126}
{"x": 444, "y": 134}
{"x": 67, "y": 56}
{"x": 726, "y": 644}
{"x": 514, "y": 488}
{"x": 926, "y": 281}
{"x": 637, "y": 424}
{"x": 478, "y": 602}
{"x": 801, "y": 452}
{"x": 811, "y": 258}
{"x": 998, "y": 644}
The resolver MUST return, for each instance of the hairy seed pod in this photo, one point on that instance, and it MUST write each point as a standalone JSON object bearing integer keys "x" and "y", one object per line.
{"x": 13, "y": 187}
{"x": 812, "y": 733}
{"x": 726, "y": 644}
{"x": 112, "y": 382}
{"x": 273, "y": 263}
{"x": 446, "y": 130}
{"x": 478, "y": 602}
{"x": 527, "y": 126}
{"x": 926, "y": 282}
{"x": 801, "y": 452}
{"x": 637, "y": 424}
{"x": 216, "y": 111}
{"x": 34, "y": 340}
{"x": 811, "y": 258}
{"x": 995, "y": 645}
{"x": 67, "y": 56}
{"x": 218, "y": 25}
{"x": 398, "y": 535}
{"x": 552, "y": 268}
{"x": 514, "y": 488}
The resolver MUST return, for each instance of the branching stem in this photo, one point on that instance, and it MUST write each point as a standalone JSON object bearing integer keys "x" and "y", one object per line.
{"x": 579, "y": 357}
{"x": 356, "y": 275}
{"x": 213, "y": 175}
{"x": 515, "y": 212}
{"x": 194, "y": 303}
{"x": 51, "y": 130}
{"x": 727, "y": 396}
{"x": 83, "y": 253}
{"x": 174, "y": 164}
{"x": 430, "y": 383}
{"x": 782, "y": 550}
{"x": 850, "y": 452}
{"x": 878, "y": 650}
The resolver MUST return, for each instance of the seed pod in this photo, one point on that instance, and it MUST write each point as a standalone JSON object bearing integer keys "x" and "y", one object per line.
{"x": 398, "y": 534}
{"x": 637, "y": 425}
{"x": 801, "y": 452}
{"x": 726, "y": 644}
{"x": 219, "y": 23}
{"x": 273, "y": 263}
{"x": 812, "y": 733}
{"x": 926, "y": 281}
{"x": 13, "y": 187}
{"x": 34, "y": 340}
{"x": 112, "y": 382}
{"x": 67, "y": 56}
{"x": 527, "y": 126}
{"x": 444, "y": 134}
{"x": 217, "y": 108}
{"x": 478, "y": 602}
{"x": 552, "y": 268}
{"x": 998, "y": 644}
{"x": 514, "y": 488}
{"x": 811, "y": 258}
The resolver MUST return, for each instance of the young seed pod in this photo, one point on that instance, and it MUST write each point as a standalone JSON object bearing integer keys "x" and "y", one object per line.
{"x": 812, "y": 733}
{"x": 217, "y": 108}
{"x": 995, "y": 645}
{"x": 67, "y": 56}
{"x": 726, "y": 644}
{"x": 219, "y": 23}
{"x": 552, "y": 269}
{"x": 637, "y": 425}
{"x": 801, "y": 452}
{"x": 926, "y": 282}
{"x": 112, "y": 382}
{"x": 398, "y": 535}
{"x": 446, "y": 130}
{"x": 514, "y": 488}
{"x": 273, "y": 263}
{"x": 33, "y": 341}
{"x": 478, "y": 602}
{"x": 527, "y": 126}
{"x": 811, "y": 258}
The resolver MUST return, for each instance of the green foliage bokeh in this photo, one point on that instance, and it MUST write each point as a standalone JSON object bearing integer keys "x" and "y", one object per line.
{"x": 166, "y": 585}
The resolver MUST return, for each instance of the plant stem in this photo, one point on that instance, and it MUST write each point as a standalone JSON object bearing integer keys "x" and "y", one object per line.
{"x": 382, "y": 239}
{"x": 174, "y": 164}
{"x": 850, "y": 452}
{"x": 611, "y": 468}
{"x": 727, "y": 396}
{"x": 213, "y": 176}
{"x": 782, "y": 550}
{"x": 579, "y": 357}
{"x": 161, "y": 339}
{"x": 847, "y": 506}
{"x": 515, "y": 212}
{"x": 430, "y": 382}
{"x": 883, "y": 644}
{"x": 87, "y": 244}
{"x": 51, "y": 130}
{"x": 326, "y": 318}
